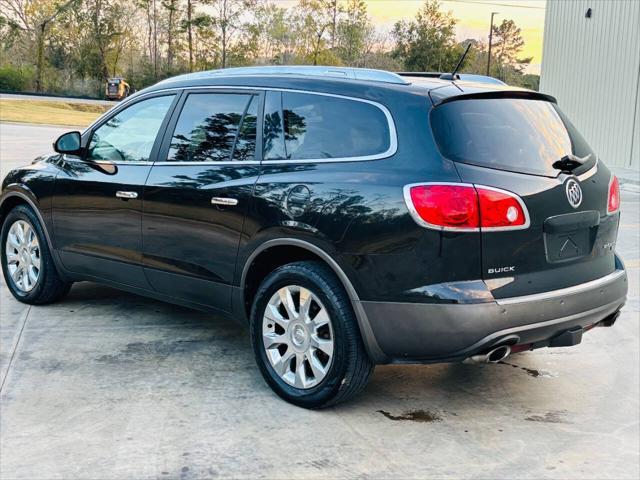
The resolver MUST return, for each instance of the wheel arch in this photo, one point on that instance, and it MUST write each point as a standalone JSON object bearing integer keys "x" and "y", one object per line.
{"x": 14, "y": 197}
{"x": 303, "y": 250}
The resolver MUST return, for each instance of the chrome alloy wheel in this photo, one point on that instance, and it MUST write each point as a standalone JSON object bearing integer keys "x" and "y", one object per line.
{"x": 23, "y": 256}
{"x": 298, "y": 336}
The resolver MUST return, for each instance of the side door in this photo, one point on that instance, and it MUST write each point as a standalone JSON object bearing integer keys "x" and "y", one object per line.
{"x": 197, "y": 195}
{"x": 97, "y": 205}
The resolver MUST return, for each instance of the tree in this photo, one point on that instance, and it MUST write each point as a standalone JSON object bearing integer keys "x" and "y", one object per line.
{"x": 228, "y": 21}
{"x": 507, "y": 44}
{"x": 354, "y": 32}
{"x": 427, "y": 43}
{"x": 34, "y": 18}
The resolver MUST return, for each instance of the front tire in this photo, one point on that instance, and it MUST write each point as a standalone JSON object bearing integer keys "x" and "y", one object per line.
{"x": 305, "y": 336}
{"x": 27, "y": 265}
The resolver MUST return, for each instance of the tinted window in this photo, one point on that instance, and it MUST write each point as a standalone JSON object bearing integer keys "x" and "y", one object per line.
{"x": 505, "y": 133}
{"x": 129, "y": 135}
{"x": 321, "y": 126}
{"x": 207, "y": 128}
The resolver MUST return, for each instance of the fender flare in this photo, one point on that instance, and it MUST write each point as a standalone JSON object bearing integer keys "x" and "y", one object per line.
{"x": 368, "y": 337}
{"x": 29, "y": 198}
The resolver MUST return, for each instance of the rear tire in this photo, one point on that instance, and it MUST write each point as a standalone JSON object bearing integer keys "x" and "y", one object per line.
{"x": 316, "y": 356}
{"x": 27, "y": 265}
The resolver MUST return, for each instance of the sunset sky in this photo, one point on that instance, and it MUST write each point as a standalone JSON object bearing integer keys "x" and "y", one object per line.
{"x": 473, "y": 18}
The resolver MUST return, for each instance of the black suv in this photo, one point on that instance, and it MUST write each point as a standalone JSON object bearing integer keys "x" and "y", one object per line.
{"x": 351, "y": 217}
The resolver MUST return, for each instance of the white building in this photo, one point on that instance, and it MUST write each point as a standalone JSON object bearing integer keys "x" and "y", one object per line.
{"x": 591, "y": 64}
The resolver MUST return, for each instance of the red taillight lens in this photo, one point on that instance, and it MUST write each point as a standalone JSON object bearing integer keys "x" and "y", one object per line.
{"x": 465, "y": 207}
{"x": 499, "y": 209}
{"x": 450, "y": 206}
{"x": 613, "y": 203}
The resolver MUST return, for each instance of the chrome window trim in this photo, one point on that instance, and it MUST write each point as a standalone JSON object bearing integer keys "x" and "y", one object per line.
{"x": 393, "y": 136}
{"x": 406, "y": 190}
{"x": 222, "y": 163}
{"x": 598, "y": 282}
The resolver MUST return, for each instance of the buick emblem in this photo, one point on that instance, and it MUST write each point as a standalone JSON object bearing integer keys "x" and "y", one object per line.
{"x": 574, "y": 193}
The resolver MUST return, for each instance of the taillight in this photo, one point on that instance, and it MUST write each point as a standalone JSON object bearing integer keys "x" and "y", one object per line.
{"x": 613, "y": 201}
{"x": 465, "y": 207}
{"x": 450, "y": 207}
{"x": 501, "y": 210}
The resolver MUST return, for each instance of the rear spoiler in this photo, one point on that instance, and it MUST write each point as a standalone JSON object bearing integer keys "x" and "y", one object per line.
{"x": 452, "y": 93}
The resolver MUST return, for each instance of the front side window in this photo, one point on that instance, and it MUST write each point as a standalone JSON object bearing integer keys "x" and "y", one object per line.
{"x": 321, "y": 126}
{"x": 211, "y": 125}
{"x": 129, "y": 135}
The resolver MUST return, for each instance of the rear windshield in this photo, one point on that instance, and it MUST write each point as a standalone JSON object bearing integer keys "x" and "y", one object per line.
{"x": 513, "y": 134}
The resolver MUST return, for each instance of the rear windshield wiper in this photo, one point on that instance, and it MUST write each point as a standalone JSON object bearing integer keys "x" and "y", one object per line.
{"x": 570, "y": 162}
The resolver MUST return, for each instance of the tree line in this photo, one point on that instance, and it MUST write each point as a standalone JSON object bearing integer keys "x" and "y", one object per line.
{"x": 73, "y": 46}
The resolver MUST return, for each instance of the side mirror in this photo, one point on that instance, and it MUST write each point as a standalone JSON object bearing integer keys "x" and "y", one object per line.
{"x": 68, "y": 143}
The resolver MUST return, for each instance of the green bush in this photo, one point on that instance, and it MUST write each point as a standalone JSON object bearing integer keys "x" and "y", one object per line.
{"x": 12, "y": 79}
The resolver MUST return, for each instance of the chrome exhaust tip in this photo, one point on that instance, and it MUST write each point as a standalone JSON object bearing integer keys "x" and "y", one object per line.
{"x": 492, "y": 356}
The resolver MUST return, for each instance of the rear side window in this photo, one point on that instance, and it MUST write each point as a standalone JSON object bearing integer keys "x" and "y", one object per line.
{"x": 300, "y": 126}
{"x": 211, "y": 125}
{"x": 512, "y": 134}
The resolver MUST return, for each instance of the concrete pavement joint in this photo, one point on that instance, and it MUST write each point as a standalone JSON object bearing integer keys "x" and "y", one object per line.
{"x": 15, "y": 348}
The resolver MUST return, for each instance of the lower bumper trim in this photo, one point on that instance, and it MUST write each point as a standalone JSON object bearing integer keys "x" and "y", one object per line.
{"x": 433, "y": 333}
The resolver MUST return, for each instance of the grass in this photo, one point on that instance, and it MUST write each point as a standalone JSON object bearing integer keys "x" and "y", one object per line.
{"x": 48, "y": 112}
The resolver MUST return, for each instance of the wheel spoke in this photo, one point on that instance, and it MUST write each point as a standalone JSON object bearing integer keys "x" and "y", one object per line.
{"x": 305, "y": 303}
{"x": 33, "y": 275}
{"x": 273, "y": 314}
{"x": 321, "y": 319}
{"x": 12, "y": 239}
{"x": 287, "y": 301}
{"x": 322, "y": 344}
{"x": 281, "y": 366}
{"x": 17, "y": 275}
{"x": 316, "y": 367}
{"x": 301, "y": 374}
{"x": 35, "y": 260}
{"x": 12, "y": 258}
{"x": 271, "y": 339}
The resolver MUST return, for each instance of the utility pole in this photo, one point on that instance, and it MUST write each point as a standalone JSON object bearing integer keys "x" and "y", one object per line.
{"x": 490, "y": 39}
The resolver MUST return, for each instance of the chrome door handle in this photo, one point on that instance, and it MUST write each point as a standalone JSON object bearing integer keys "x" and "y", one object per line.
{"x": 127, "y": 195}
{"x": 224, "y": 201}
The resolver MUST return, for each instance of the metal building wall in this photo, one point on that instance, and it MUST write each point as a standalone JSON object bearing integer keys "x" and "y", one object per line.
{"x": 592, "y": 66}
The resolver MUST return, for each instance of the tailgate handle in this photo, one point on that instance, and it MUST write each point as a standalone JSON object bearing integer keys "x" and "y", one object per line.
{"x": 572, "y": 222}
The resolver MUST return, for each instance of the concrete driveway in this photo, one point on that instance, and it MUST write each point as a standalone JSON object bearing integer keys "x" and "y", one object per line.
{"x": 110, "y": 385}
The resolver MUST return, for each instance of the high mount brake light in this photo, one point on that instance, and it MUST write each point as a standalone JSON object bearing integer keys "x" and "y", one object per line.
{"x": 465, "y": 207}
{"x": 613, "y": 199}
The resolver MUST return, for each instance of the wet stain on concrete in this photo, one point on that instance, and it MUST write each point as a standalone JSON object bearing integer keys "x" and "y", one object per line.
{"x": 556, "y": 416}
{"x": 530, "y": 371}
{"x": 422, "y": 416}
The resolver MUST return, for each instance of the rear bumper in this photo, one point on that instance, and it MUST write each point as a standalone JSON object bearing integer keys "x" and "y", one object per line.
{"x": 432, "y": 333}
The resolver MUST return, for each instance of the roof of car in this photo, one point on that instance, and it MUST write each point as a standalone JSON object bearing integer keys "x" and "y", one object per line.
{"x": 344, "y": 81}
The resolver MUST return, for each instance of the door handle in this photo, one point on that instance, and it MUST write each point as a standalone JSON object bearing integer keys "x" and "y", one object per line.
{"x": 126, "y": 195}
{"x": 224, "y": 201}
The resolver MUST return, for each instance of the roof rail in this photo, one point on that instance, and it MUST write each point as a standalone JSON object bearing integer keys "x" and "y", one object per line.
{"x": 347, "y": 73}
{"x": 465, "y": 77}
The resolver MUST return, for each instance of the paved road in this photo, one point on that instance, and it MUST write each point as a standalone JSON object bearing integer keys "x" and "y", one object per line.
{"x": 111, "y": 385}
{"x": 55, "y": 99}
